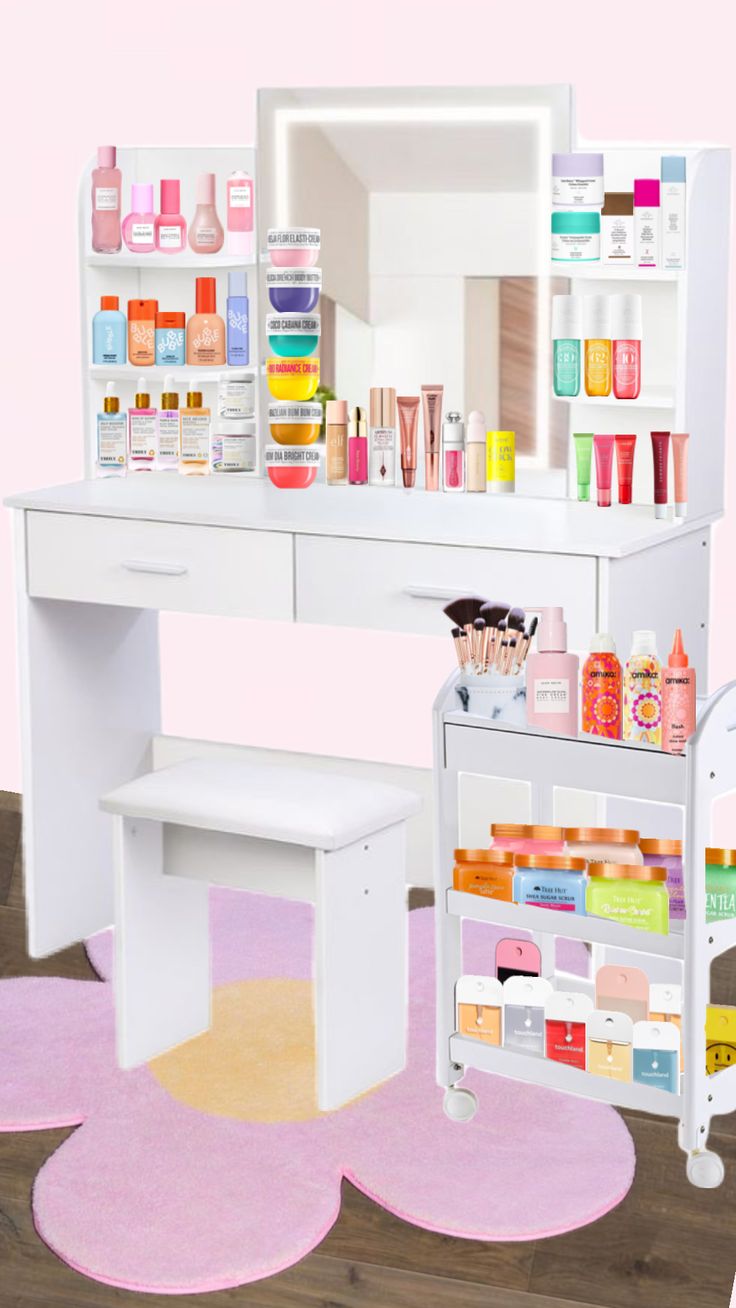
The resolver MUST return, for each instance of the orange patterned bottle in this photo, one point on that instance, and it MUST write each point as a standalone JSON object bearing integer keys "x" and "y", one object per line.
{"x": 602, "y": 685}
{"x": 643, "y": 691}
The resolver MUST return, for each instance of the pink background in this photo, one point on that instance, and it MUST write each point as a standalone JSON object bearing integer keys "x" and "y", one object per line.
{"x": 86, "y": 73}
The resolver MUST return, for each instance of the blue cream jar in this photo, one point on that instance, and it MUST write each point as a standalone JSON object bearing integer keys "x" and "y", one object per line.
{"x": 576, "y": 236}
{"x": 550, "y": 881}
{"x": 293, "y": 335}
{"x": 294, "y": 290}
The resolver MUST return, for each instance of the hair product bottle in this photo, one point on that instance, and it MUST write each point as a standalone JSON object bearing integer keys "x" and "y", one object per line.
{"x": 141, "y": 431}
{"x": 205, "y": 232}
{"x": 205, "y": 329}
{"x": 106, "y": 182}
{"x": 643, "y": 691}
{"x": 112, "y": 436}
{"x": 552, "y": 678}
{"x": 602, "y": 686}
{"x": 597, "y": 329}
{"x": 195, "y": 437}
{"x": 678, "y": 699}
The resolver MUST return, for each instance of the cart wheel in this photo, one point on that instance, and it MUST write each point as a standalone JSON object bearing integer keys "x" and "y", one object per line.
{"x": 460, "y": 1105}
{"x": 705, "y": 1170}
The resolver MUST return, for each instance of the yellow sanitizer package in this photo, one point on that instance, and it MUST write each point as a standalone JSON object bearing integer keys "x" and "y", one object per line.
{"x": 720, "y": 1038}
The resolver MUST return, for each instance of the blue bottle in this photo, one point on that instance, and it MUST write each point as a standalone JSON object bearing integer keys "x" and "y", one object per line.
{"x": 238, "y": 347}
{"x": 170, "y": 339}
{"x": 109, "y": 332}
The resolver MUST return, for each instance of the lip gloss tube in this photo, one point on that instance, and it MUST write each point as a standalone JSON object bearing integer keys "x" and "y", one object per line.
{"x": 625, "y": 446}
{"x": 358, "y": 448}
{"x": 432, "y": 411}
{"x": 680, "y": 441}
{"x": 408, "y": 406}
{"x": 660, "y": 455}
{"x": 603, "y": 446}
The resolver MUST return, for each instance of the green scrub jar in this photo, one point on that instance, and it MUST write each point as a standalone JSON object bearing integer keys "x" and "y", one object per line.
{"x": 631, "y": 894}
{"x": 720, "y": 885}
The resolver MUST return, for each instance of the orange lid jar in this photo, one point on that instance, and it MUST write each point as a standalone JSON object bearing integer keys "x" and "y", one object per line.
{"x": 487, "y": 872}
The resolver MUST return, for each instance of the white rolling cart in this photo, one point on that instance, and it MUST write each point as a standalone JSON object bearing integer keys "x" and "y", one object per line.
{"x": 467, "y": 744}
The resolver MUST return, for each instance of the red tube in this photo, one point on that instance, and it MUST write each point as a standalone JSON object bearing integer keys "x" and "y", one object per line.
{"x": 625, "y": 446}
{"x": 603, "y": 446}
{"x": 660, "y": 455}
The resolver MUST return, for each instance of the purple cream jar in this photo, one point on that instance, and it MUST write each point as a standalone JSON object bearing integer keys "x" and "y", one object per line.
{"x": 294, "y": 290}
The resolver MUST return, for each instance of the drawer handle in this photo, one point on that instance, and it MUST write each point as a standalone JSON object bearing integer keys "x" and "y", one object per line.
{"x": 160, "y": 569}
{"x": 433, "y": 593}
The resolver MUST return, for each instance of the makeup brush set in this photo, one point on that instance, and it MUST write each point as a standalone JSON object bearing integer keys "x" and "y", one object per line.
{"x": 489, "y": 636}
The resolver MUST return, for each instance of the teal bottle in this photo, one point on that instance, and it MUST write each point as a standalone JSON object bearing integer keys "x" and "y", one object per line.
{"x": 566, "y": 350}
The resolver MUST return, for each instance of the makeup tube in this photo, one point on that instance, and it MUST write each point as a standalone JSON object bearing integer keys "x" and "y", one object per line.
{"x": 583, "y": 453}
{"x": 432, "y": 412}
{"x": 603, "y": 446}
{"x": 625, "y": 446}
{"x": 660, "y": 454}
{"x": 408, "y": 406}
{"x": 679, "y": 458}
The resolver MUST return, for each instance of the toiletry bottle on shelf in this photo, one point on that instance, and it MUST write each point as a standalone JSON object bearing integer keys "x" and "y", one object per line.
{"x": 106, "y": 180}
{"x": 170, "y": 226}
{"x": 597, "y": 334}
{"x": 112, "y": 436}
{"x": 673, "y": 172}
{"x": 678, "y": 699}
{"x": 142, "y": 332}
{"x": 205, "y": 329}
{"x": 643, "y": 691}
{"x": 194, "y": 450}
{"x": 382, "y": 436}
{"x": 626, "y": 345}
{"x": 168, "y": 428}
{"x": 647, "y": 221}
{"x": 602, "y": 689}
{"x": 109, "y": 330}
{"x": 240, "y": 214}
{"x": 238, "y": 346}
{"x": 170, "y": 331}
{"x": 566, "y": 336}
{"x": 552, "y": 678}
{"x": 138, "y": 226}
{"x": 501, "y": 468}
{"x": 617, "y": 228}
{"x": 453, "y": 452}
{"x": 205, "y": 231}
{"x": 358, "y": 448}
{"x": 336, "y": 442}
{"x": 475, "y": 452}
{"x": 141, "y": 431}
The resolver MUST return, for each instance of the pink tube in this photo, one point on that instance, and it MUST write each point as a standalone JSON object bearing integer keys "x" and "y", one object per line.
{"x": 603, "y": 446}
{"x": 679, "y": 459}
{"x": 625, "y": 446}
{"x": 660, "y": 455}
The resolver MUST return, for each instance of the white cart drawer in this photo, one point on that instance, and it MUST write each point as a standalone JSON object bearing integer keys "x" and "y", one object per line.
{"x": 402, "y": 587}
{"x": 160, "y": 565}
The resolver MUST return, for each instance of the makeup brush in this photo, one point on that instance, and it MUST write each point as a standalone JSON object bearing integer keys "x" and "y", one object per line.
{"x": 479, "y": 629}
{"x": 463, "y": 612}
{"x": 526, "y": 640}
{"x": 458, "y": 637}
{"x": 493, "y": 611}
{"x": 498, "y": 642}
{"x": 516, "y": 619}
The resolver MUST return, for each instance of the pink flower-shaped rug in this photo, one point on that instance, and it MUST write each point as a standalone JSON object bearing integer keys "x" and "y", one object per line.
{"x": 212, "y": 1166}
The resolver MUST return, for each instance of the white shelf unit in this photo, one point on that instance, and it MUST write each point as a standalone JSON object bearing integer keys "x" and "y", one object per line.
{"x": 170, "y": 279}
{"x": 470, "y": 746}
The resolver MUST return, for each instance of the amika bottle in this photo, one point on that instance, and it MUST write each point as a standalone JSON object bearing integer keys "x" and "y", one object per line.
{"x": 678, "y": 699}
{"x": 602, "y": 687}
{"x": 643, "y": 691}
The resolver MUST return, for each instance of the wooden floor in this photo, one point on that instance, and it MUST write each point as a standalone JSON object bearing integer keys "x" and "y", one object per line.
{"x": 666, "y": 1246}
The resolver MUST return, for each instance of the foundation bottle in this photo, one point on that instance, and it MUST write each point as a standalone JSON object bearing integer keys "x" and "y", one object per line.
{"x": 475, "y": 452}
{"x": 336, "y": 442}
{"x": 597, "y": 332}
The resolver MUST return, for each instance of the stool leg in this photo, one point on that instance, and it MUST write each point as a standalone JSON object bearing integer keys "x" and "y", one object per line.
{"x": 361, "y": 983}
{"x": 162, "y": 957}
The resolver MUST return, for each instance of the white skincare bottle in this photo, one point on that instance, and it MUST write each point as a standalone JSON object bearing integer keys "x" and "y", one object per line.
{"x": 475, "y": 452}
{"x": 382, "y": 437}
{"x": 647, "y": 222}
{"x": 112, "y": 436}
{"x": 673, "y": 173}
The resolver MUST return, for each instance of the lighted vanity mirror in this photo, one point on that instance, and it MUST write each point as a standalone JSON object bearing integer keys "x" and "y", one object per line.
{"x": 434, "y": 209}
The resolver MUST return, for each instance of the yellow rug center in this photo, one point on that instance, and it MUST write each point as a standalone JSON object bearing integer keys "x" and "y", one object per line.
{"x": 256, "y": 1063}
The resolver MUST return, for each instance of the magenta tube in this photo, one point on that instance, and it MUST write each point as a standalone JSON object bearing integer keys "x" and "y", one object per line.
{"x": 660, "y": 455}
{"x": 603, "y": 446}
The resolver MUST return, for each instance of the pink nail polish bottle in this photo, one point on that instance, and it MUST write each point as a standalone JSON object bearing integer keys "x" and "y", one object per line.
{"x": 358, "y": 448}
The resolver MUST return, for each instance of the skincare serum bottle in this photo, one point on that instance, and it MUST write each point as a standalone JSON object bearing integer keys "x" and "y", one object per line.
{"x": 336, "y": 442}
{"x": 597, "y": 329}
{"x": 240, "y": 214}
{"x": 168, "y": 428}
{"x": 647, "y": 221}
{"x": 112, "y": 436}
{"x": 382, "y": 436}
{"x": 205, "y": 233}
{"x": 453, "y": 453}
{"x": 475, "y": 452}
{"x": 673, "y": 171}
{"x": 141, "y": 431}
{"x": 358, "y": 448}
{"x": 552, "y": 678}
{"x": 138, "y": 227}
{"x": 205, "y": 329}
{"x": 195, "y": 437}
{"x": 170, "y": 226}
{"x": 106, "y": 182}
{"x": 566, "y": 335}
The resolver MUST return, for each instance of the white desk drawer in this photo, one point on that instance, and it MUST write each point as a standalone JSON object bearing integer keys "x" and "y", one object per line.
{"x": 160, "y": 565}
{"x": 403, "y": 587}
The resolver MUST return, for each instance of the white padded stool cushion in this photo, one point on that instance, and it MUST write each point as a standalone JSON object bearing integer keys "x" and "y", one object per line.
{"x": 319, "y": 809}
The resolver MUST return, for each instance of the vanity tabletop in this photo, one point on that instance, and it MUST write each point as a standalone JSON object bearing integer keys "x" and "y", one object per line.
{"x": 503, "y": 522}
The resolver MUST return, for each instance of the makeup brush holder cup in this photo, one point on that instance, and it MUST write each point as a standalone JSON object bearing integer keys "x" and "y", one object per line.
{"x": 503, "y": 699}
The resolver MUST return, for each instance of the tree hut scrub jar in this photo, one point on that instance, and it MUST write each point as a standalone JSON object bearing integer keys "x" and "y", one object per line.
{"x": 720, "y": 884}
{"x": 576, "y": 236}
{"x": 634, "y": 895}
{"x": 488, "y": 872}
{"x": 550, "y": 881}
{"x": 604, "y": 844}
{"x": 577, "y": 180}
{"x": 292, "y": 379}
{"x": 295, "y": 424}
{"x": 291, "y": 467}
{"x": 293, "y": 335}
{"x": 294, "y": 290}
{"x": 293, "y": 247}
{"x": 521, "y": 838}
{"x": 667, "y": 854}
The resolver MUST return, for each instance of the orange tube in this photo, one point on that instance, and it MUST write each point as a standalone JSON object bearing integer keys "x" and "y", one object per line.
{"x": 679, "y": 441}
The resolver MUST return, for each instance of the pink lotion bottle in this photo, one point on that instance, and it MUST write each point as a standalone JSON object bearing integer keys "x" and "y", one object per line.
{"x": 106, "y": 183}
{"x": 552, "y": 678}
{"x": 678, "y": 699}
{"x": 205, "y": 232}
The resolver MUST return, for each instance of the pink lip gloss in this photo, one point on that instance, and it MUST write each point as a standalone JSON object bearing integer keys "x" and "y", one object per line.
{"x": 453, "y": 453}
{"x": 358, "y": 448}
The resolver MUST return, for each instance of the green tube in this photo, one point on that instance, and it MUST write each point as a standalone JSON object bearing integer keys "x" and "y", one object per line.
{"x": 583, "y": 451}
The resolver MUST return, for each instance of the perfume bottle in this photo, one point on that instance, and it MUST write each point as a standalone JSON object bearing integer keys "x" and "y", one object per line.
{"x": 358, "y": 448}
{"x": 194, "y": 458}
{"x": 106, "y": 182}
{"x": 141, "y": 431}
{"x": 139, "y": 223}
{"x": 112, "y": 436}
{"x": 205, "y": 232}
{"x": 240, "y": 214}
{"x": 238, "y": 348}
{"x": 170, "y": 227}
{"x": 205, "y": 329}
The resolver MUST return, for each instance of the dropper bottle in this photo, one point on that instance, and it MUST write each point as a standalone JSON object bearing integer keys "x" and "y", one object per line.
{"x": 112, "y": 436}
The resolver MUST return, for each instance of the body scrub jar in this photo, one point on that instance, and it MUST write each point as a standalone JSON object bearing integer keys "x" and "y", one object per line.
{"x": 292, "y": 379}
{"x": 488, "y": 872}
{"x": 295, "y": 424}
{"x": 550, "y": 881}
{"x": 604, "y": 844}
{"x": 720, "y": 884}
{"x": 521, "y": 838}
{"x": 634, "y": 896}
{"x": 293, "y": 247}
{"x": 294, "y": 290}
{"x": 293, "y": 335}
{"x": 668, "y": 854}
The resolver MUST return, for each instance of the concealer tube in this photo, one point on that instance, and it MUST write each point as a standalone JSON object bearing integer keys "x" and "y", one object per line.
{"x": 408, "y": 407}
{"x": 432, "y": 413}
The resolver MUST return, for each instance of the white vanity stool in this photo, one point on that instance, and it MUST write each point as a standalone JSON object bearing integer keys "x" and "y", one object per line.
{"x": 331, "y": 840}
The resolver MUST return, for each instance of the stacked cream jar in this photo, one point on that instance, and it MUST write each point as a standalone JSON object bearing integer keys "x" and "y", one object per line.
{"x": 292, "y": 370}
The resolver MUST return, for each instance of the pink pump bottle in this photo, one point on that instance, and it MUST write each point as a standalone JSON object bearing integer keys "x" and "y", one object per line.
{"x": 205, "y": 232}
{"x": 552, "y": 678}
{"x": 106, "y": 182}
